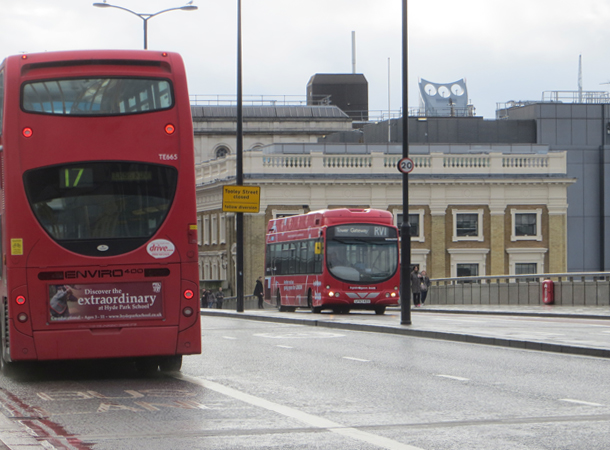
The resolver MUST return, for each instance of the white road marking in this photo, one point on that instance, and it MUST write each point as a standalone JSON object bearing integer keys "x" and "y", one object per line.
{"x": 451, "y": 377}
{"x": 308, "y": 419}
{"x": 284, "y": 346}
{"x": 300, "y": 335}
{"x": 231, "y": 338}
{"x": 580, "y": 402}
{"x": 356, "y": 359}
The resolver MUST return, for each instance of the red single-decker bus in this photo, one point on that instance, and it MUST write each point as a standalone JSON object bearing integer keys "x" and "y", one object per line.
{"x": 340, "y": 259}
{"x": 98, "y": 216}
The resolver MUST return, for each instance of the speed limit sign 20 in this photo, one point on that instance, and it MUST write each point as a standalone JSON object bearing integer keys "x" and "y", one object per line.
{"x": 405, "y": 165}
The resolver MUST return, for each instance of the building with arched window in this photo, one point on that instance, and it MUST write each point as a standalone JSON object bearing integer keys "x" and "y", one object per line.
{"x": 492, "y": 207}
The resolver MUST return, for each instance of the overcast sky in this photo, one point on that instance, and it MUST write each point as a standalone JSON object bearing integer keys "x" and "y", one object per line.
{"x": 506, "y": 50}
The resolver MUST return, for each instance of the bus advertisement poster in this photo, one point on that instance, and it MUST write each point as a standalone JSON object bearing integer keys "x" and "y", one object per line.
{"x": 110, "y": 301}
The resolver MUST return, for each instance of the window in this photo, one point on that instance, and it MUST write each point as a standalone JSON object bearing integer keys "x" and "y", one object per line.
{"x": 199, "y": 231}
{"x": 299, "y": 257}
{"x": 416, "y": 221}
{"x": 467, "y": 225}
{"x": 279, "y": 213}
{"x": 528, "y": 260}
{"x": 215, "y": 275}
{"x": 222, "y": 229}
{"x": 97, "y": 96}
{"x": 214, "y": 229}
{"x": 467, "y": 270}
{"x": 206, "y": 230}
{"x": 88, "y": 204}
{"x": 468, "y": 262}
{"x": 222, "y": 152}
{"x": 525, "y": 268}
{"x": 526, "y": 225}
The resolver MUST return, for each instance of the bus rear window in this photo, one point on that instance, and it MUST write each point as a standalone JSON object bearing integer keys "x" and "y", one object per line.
{"x": 97, "y": 96}
{"x": 95, "y": 201}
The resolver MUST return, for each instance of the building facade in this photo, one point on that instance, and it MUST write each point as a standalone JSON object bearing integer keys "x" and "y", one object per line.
{"x": 577, "y": 123}
{"x": 474, "y": 209}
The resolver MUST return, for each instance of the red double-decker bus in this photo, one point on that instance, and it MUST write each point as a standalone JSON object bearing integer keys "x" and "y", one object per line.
{"x": 338, "y": 259}
{"x": 98, "y": 215}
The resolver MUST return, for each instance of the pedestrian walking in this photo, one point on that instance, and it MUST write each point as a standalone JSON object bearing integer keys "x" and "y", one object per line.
{"x": 258, "y": 292}
{"x": 415, "y": 286}
{"x": 204, "y": 298}
{"x": 210, "y": 298}
{"x": 424, "y": 285}
{"x": 220, "y": 296}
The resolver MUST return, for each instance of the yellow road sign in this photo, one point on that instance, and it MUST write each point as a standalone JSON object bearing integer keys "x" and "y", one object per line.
{"x": 244, "y": 199}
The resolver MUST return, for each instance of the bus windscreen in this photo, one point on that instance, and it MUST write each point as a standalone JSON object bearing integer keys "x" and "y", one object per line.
{"x": 362, "y": 253}
{"x": 97, "y": 96}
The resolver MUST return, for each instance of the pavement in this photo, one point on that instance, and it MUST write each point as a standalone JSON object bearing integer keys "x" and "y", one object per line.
{"x": 576, "y": 330}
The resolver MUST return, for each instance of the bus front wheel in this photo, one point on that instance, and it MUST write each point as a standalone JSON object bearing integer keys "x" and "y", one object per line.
{"x": 380, "y": 310}
{"x": 314, "y": 309}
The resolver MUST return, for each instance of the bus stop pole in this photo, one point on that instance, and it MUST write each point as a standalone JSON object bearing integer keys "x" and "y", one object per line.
{"x": 405, "y": 228}
{"x": 239, "y": 217}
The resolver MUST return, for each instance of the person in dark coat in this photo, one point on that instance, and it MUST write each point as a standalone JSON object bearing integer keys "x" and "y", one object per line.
{"x": 415, "y": 286}
{"x": 258, "y": 292}
{"x": 424, "y": 285}
{"x": 220, "y": 296}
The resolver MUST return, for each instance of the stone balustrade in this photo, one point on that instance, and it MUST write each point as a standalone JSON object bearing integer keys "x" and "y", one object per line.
{"x": 257, "y": 163}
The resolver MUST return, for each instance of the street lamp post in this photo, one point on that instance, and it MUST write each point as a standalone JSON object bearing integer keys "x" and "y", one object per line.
{"x": 405, "y": 229}
{"x": 145, "y": 17}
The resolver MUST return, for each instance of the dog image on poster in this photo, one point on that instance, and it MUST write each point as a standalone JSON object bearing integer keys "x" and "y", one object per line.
{"x": 60, "y": 296}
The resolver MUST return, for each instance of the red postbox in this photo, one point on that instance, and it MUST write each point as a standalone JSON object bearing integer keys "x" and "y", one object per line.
{"x": 548, "y": 292}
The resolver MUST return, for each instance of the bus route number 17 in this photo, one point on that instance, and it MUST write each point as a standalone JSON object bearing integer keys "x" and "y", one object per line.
{"x": 405, "y": 165}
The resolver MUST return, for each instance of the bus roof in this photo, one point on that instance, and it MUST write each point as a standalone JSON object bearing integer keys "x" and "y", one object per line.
{"x": 84, "y": 55}
{"x": 329, "y": 217}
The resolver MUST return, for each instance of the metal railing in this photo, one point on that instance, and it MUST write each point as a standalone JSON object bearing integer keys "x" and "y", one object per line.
{"x": 569, "y": 289}
{"x": 250, "y": 302}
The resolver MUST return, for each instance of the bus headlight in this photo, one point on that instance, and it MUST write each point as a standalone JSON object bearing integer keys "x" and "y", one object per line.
{"x": 393, "y": 294}
{"x": 331, "y": 294}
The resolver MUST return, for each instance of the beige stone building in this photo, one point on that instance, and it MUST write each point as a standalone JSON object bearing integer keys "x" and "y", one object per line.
{"x": 474, "y": 209}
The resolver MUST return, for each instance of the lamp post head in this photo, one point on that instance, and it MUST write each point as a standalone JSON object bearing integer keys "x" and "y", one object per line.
{"x": 189, "y": 8}
{"x": 101, "y": 5}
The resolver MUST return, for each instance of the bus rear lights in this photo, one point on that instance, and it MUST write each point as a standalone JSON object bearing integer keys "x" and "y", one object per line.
{"x": 170, "y": 129}
{"x": 22, "y": 317}
{"x": 188, "y": 311}
{"x": 188, "y": 294}
{"x": 20, "y": 299}
{"x": 27, "y": 132}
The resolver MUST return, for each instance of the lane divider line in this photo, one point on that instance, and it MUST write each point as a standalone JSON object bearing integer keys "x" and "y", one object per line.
{"x": 306, "y": 418}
